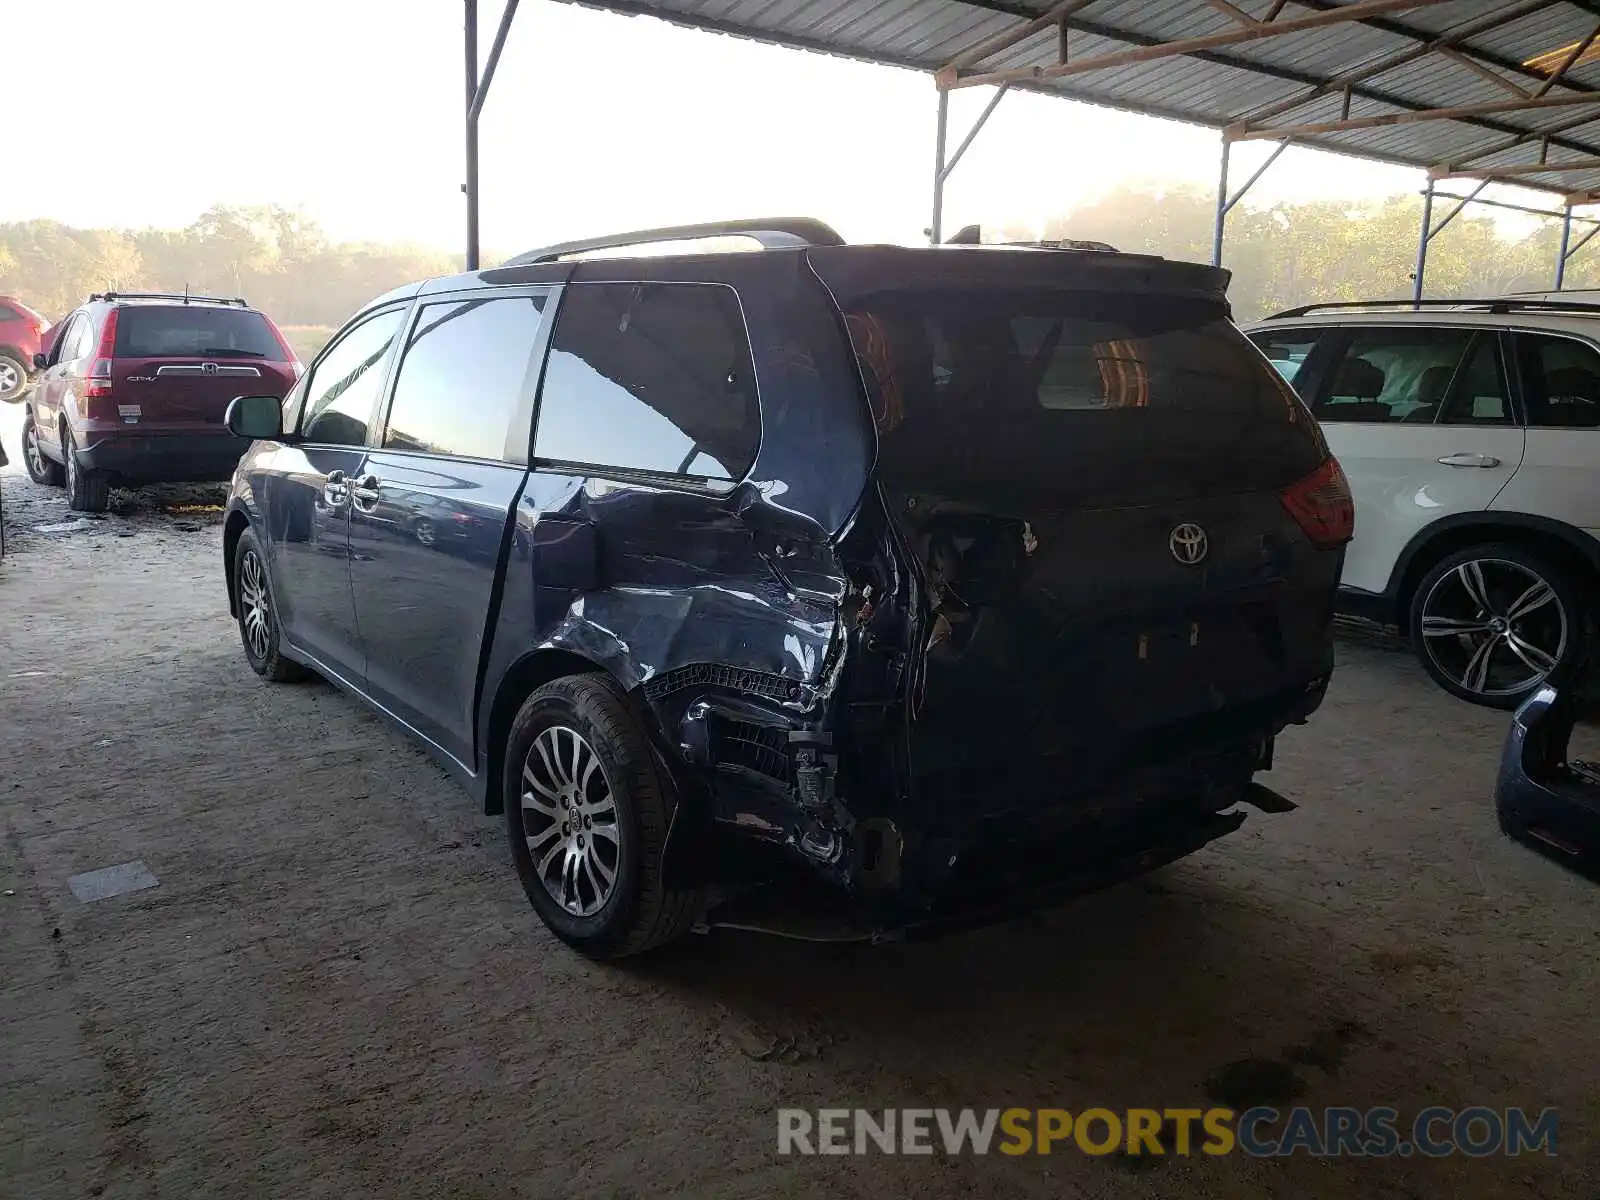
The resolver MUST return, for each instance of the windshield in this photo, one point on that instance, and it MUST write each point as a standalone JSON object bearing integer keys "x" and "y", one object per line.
{"x": 194, "y": 331}
{"x": 1070, "y": 394}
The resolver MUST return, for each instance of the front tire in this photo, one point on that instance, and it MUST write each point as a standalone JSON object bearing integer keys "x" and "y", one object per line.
{"x": 40, "y": 469}
{"x": 87, "y": 491}
{"x": 1492, "y": 623}
{"x": 258, "y": 615}
{"x": 587, "y": 810}
{"x": 13, "y": 379}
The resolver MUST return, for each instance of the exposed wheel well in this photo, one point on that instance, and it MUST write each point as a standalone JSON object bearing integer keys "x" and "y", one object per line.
{"x": 236, "y": 525}
{"x": 526, "y": 677}
{"x": 1541, "y": 540}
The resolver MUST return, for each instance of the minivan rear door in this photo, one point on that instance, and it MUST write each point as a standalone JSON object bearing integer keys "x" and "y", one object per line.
{"x": 180, "y": 364}
{"x": 430, "y": 508}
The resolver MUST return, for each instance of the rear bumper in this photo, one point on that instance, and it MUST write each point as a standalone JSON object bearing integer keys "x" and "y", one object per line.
{"x": 1540, "y": 797}
{"x": 163, "y": 457}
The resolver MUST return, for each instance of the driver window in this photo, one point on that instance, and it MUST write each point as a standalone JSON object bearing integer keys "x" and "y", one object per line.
{"x": 1561, "y": 382}
{"x": 344, "y": 385}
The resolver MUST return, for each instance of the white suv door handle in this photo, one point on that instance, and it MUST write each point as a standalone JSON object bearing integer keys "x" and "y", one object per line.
{"x": 1469, "y": 460}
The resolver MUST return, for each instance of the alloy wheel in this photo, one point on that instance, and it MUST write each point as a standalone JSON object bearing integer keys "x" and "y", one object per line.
{"x": 254, "y": 612}
{"x": 1496, "y": 628}
{"x": 10, "y": 380}
{"x": 569, "y": 819}
{"x": 31, "y": 452}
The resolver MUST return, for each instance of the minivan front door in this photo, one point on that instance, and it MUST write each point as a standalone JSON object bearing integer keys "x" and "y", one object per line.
{"x": 307, "y": 497}
{"x": 1422, "y": 422}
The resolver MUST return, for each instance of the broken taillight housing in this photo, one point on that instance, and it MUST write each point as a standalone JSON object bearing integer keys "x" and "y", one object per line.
{"x": 1321, "y": 505}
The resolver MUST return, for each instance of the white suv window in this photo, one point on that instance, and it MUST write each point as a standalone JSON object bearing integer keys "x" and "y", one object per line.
{"x": 1560, "y": 382}
{"x": 1395, "y": 375}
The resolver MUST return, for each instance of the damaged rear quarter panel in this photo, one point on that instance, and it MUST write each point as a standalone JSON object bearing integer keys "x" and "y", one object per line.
{"x": 704, "y": 605}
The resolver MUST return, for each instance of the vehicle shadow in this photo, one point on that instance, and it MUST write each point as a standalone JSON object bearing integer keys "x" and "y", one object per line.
{"x": 1149, "y": 993}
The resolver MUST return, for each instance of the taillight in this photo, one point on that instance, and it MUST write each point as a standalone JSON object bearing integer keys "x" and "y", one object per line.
{"x": 99, "y": 377}
{"x": 289, "y": 355}
{"x": 1322, "y": 506}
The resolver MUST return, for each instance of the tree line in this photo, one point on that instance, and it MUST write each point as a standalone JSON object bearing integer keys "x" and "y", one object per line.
{"x": 1281, "y": 255}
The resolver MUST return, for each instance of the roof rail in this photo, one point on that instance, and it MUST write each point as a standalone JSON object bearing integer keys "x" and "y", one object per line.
{"x": 186, "y": 297}
{"x": 1502, "y": 304}
{"x": 774, "y": 233}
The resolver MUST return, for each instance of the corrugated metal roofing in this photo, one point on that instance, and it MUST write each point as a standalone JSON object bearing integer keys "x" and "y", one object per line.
{"x": 1224, "y": 86}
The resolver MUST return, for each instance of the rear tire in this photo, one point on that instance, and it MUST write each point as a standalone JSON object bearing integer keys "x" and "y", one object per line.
{"x": 580, "y": 773}
{"x": 258, "y": 615}
{"x": 14, "y": 383}
{"x": 40, "y": 469}
{"x": 87, "y": 491}
{"x": 1494, "y": 622}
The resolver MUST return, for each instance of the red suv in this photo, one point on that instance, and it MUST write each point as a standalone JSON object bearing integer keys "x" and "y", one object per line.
{"x": 20, "y": 332}
{"x": 134, "y": 389}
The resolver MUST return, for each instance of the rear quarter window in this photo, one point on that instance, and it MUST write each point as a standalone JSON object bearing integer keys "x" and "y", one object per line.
{"x": 651, "y": 377}
{"x": 194, "y": 331}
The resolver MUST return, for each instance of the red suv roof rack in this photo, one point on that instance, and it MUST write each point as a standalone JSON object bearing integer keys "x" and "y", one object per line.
{"x": 186, "y": 297}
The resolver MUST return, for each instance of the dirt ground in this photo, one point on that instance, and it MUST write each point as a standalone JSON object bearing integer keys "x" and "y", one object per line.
{"x": 337, "y": 988}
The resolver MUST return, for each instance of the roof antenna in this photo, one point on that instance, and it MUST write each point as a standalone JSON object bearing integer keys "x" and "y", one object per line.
{"x": 186, "y": 291}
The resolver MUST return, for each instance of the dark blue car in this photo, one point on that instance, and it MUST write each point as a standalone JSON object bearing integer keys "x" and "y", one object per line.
{"x": 949, "y": 579}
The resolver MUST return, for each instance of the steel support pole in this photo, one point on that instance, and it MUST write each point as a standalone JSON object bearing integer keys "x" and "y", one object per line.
{"x": 471, "y": 185}
{"x": 1423, "y": 238}
{"x": 1222, "y": 205}
{"x": 936, "y": 230}
{"x": 1566, "y": 241}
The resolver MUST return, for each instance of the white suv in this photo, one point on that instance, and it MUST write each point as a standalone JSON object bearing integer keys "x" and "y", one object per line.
{"x": 1470, "y": 433}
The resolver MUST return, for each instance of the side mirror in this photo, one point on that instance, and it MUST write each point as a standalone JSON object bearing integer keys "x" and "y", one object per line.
{"x": 41, "y": 361}
{"x": 255, "y": 417}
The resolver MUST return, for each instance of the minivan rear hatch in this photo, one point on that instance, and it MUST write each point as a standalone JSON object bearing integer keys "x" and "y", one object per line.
{"x": 1089, "y": 462}
{"x": 183, "y": 363}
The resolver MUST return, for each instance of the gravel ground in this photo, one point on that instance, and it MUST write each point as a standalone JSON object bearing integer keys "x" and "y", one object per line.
{"x": 337, "y": 989}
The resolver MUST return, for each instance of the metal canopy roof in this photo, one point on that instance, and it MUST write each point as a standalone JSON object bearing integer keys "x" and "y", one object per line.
{"x": 1505, "y": 89}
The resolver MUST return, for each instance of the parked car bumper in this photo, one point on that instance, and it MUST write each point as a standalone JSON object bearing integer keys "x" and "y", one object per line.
{"x": 1542, "y": 797}
{"x": 186, "y": 457}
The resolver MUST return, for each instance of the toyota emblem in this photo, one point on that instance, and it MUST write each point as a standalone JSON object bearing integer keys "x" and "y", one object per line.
{"x": 208, "y": 368}
{"x": 1188, "y": 544}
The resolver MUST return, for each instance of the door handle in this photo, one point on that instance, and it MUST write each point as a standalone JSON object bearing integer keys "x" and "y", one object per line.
{"x": 1469, "y": 460}
{"x": 334, "y": 489}
{"x": 365, "y": 493}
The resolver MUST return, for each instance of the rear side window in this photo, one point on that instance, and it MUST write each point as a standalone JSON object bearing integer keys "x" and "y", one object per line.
{"x": 7, "y": 313}
{"x": 1396, "y": 375}
{"x": 1560, "y": 381}
{"x": 194, "y": 331}
{"x": 653, "y": 377}
{"x": 1287, "y": 350}
{"x": 465, "y": 378}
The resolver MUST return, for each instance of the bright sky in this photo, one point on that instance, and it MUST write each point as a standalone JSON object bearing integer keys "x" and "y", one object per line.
{"x": 352, "y": 110}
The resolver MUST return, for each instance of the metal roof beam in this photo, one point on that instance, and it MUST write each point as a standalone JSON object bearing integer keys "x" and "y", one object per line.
{"x": 1511, "y": 172}
{"x": 1343, "y": 15}
{"x": 1521, "y": 139}
{"x": 1488, "y": 57}
{"x": 1573, "y": 56}
{"x": 1234, "y": 13}
{"x": 1021, "y": 33}
{"x": 1385, "y": 65}
{"x": 1244, "y": 132}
